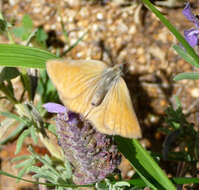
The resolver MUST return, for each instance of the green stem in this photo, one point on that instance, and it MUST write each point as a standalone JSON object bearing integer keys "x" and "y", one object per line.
{"x": 8, "y": 94}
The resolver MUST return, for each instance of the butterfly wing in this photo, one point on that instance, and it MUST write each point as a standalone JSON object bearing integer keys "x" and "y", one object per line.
{"x": 76, "y": 81}
{"x": 116, "y": 116}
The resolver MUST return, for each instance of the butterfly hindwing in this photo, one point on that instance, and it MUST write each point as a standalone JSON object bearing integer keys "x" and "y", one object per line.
{"x": 116, "y": 116}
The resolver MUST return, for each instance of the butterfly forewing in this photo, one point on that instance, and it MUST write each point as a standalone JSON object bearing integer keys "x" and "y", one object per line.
{"x": 71, "y": 77}
{"x": 76, "y": 81}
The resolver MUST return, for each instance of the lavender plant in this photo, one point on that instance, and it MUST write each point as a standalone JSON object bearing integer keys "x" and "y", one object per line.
{"x": 93, "y": 155}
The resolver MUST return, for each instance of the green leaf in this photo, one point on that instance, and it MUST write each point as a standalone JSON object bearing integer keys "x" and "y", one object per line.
{"x": 144, "y": 165}
{"x": 176, "y": 180}
{"x": 46, "y": 89}
{"x": 121, "y": 184}
{"x": 25, "y": 163}
{"x": 174, "y": 31}
{"x": 19, "y": 32}
{"x": 19, "y": 158}
{"x": 74, "y": 44}
{"x": 21, "y": 139}
{"x": 25, "y": 170}
{"x": 11, "y": 115}
{"x": 35, "y": 169}
{"x": 185, "y": 55}
{"x": 5, "y": 125}
{"x": 8, "y": 92}
{"x": 8, "y": 73}
{"x": 33, "y": 134}
{"x": 41, "y": 35}
{"x": 27, "y": 22}
{"x": 52, "y": 128}
{"x": 23, "y": 56}
{"x": 68, "y": 170}
{"x": 186, "y": 180}
{"x": 187, "y": 75}
{"x": 25, "y": 78}
{"x": 13, "y": 135}
{"x": 48, "y": 178}
{"x": 3, "y": 25}
{"x": 49, "y": 173}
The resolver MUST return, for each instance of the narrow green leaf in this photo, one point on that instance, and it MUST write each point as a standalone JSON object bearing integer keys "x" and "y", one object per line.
{"x": 35, "y": 169}
{"x": 74, "y": 44}
{"x": 185, "y": 180}
{"x": 21, "y": 139}
{"x": 8, "y": 93}
{"x": 26, "y": 82}
{"x": 185, "y": 55}
{"x": 13, "y": 135}
{"x": 138, "y": 182}
{"x": 24, "y": 163}
{"x": 47, "y": 164}
{"x": 174, "y": 31}
{"x": 52, "y": 128}
{"x": 48, "y": 178}
{"x": 48, "y": 173}
{"x": 11, "y": 115}
{"x": 177, "y": 180}
{"x": 19, "y": 158}
{"x": 144, "y": 165}
{"x": 5, "y": 125}
{"x": 33, "y": 134}
{"x": 8, "y": 73}
{"x": 3, "y": 26}
{"x": 24, "y": 170}
{"x": 68, "y": 170}
{"x": 23, "y": 56}
{"x": 187, "y": 75}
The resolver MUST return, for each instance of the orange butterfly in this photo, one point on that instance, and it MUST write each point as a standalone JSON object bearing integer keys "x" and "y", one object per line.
{"x": 97, "y": 92}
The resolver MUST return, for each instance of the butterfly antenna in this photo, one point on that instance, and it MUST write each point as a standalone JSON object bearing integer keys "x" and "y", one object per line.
{"x": 106, "y": 50}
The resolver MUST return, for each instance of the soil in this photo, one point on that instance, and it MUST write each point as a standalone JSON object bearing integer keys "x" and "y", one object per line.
{"x": 117, "y": 32}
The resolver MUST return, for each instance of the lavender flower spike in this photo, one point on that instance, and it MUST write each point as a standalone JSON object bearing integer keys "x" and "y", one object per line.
{"x": 92, "y": 154}
{"x": 191, "y": 35}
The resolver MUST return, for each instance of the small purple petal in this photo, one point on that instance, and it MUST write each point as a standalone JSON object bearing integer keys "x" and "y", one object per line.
{"x": 191, "y": 36}
{"x": 187, "y": 12}
{"x": 55, "y": 108}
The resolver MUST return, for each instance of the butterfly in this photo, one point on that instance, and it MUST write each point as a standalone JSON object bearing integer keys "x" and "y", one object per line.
{"x": 98, "y": 92}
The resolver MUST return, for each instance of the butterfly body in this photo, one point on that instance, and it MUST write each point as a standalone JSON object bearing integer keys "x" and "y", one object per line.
{"x": 97, "y": 92}
{"x": 108, "y": 78}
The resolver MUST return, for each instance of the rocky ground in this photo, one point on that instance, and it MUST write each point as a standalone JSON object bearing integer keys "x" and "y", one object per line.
{"x": 117, "y": 32}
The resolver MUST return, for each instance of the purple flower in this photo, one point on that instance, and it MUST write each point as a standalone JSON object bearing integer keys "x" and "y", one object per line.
{"x": 92, "y": 154}
{"x": 54, "y": 108}
{"x": 191, "y": 35}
